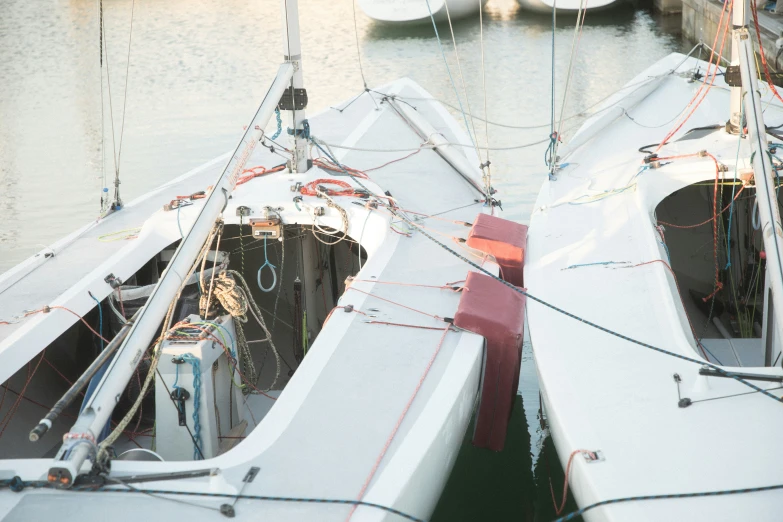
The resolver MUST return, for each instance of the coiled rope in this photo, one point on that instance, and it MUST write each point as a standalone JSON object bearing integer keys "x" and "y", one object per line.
{"x": 237, "y": 300}
{"x": 272, "y": 267}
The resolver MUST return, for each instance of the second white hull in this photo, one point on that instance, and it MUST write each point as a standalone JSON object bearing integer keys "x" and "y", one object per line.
{"x": 566, "y": 6}
{"x": 418, "y": 11}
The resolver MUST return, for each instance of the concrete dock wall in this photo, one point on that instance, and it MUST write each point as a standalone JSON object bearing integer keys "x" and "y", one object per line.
{"x": 700, "y": 23}
{"x": 668, "y": 7}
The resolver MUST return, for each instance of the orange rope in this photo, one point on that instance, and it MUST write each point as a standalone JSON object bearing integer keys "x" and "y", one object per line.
{"x": 255, "y": 172}
{"x": 711, "y": 219}
{"x": 47, "y": 309}
{"x": 679, "y": 293}
{"x": 559, "y": 508}
{"x": 399, "y": 422}
{"x": 310, "y": 188}
{"x": 707, "y": 74}
{"x": 763, "y": 56}
{"x": 394, "y": 303}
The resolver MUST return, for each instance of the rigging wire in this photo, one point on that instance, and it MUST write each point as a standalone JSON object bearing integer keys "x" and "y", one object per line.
{"x": 425, "y": 146}
{"x": 358, "y": 50}
{"x": 555, "y": 138}
{"x": 488, "y": 176}
{"x": 117, "y": 200}
{"x": 474, "y": 138}
{"x": 104, "y": 188}
{"x": 547, "y": 304}
{"x": 116, "y": 204}
{"x": 448, "y": 70}
{"x": 552, "y": 136}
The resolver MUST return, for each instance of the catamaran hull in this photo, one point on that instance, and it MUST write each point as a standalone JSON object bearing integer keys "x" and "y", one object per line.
{"x": 418, "y": 11}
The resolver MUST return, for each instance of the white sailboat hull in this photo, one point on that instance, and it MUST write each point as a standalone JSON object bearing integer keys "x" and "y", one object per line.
{"x": 328, "y": 434}
{"x": 567, "y": 6}
{"x": 596, "y": 253}
{"x": 417, "y": 11}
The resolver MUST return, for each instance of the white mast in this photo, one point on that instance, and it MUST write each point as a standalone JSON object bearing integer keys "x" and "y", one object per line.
{"x": 764, "y": 175}
{"x": 97, "y": 411}
{"x": 294, "y": 100}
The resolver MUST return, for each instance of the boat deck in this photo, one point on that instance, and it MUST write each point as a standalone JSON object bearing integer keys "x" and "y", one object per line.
{"x": 593, "y": 250}
{"x": 347, "y": 425}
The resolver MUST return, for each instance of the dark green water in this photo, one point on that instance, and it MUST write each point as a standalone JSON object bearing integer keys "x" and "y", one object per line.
{"x": 199, "y": 67}
{"x": 513, "y": 484}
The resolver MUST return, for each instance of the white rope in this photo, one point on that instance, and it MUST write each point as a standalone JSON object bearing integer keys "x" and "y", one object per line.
{"x": 343, "y": 215}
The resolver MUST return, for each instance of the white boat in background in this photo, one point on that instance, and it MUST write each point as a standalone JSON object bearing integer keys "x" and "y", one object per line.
{"x": 337, "y": 385}
{"x": 568, "y": 6}
{"x": 405, "y": 11}
{"x": 655, "y": 288}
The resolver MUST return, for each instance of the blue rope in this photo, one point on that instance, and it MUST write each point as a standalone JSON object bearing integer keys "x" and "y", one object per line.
{"x": 271, "y": 268}
{"x": 179, "y": 225}
{"x": 448, "y": 69}
{"x": 279, "y": 124}
{"x": 100, "y": 319}
{"x": 601, "y": 263}
{"x": 195, "y": 362}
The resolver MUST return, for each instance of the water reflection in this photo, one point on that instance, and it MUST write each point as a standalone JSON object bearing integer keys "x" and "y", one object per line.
{"x": 513, "y": 484}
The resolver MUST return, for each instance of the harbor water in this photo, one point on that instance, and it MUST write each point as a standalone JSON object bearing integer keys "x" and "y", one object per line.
{"x": 197, "y": 69}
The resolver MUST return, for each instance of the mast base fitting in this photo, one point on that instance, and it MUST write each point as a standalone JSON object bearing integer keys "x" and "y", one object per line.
{"x": 293, "y": 100}
{"x": 731, "y": 128}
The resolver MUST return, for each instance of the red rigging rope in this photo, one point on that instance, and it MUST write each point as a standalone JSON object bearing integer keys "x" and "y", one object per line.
{"x": 327, "y": 165}
{"x": 718, "y": 284}
{"x": 710, "y": 219}
{"x": 559, "y": 507}
{"x": 399, "y": 421}
{"x": 679, "y": 293}
{"x": 12, "y": 411}
{"x": 311, "y": 189}
{"x": 47, "y": 309}
{"x": 394, "y": 303}
{"x": 699, "y": 92}
{"x": 440, "y": 287}
{"x": 763, "y": 56}
{"x": 714, "y": 219}
{"x": 256, "y": 172}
